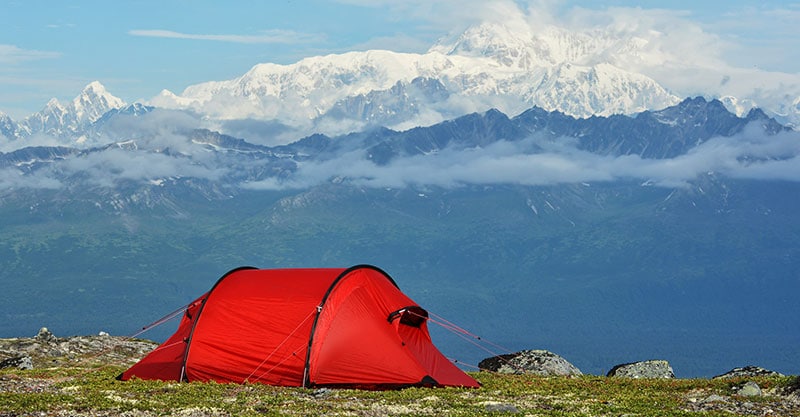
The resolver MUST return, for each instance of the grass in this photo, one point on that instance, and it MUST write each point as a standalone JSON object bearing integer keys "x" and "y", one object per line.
{"x": 95, "y": 392}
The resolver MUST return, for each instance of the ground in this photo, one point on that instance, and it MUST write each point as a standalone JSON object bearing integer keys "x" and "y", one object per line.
{"x": 76, "y": 377}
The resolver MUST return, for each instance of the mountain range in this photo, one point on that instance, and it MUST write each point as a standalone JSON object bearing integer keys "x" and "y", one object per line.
{"x": 486, "y": 66}
{"x": 531, "y": 187}
{"x": 660, "y": 234}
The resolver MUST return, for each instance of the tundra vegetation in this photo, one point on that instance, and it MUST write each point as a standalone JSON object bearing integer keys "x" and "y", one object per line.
{"x": 82, "y": 383}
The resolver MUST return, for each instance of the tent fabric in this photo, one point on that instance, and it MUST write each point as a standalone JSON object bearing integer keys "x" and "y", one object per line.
{"x": 304, "y": 328}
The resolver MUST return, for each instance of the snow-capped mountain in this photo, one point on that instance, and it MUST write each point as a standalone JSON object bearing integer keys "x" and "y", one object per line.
{"x": 7, "y": 125}
{"x": 502, "y": 66}
{"x": 487, "y": 66}
{"x": 69, "y": 121}
{"x": 538, "y": 144}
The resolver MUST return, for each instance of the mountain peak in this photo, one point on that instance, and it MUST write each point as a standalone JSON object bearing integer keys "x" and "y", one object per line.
{"x": 511, "y": 48}
{"x": 96, "y": 92}
{"x": 53, "y": 103}
{"x": 94, "y": 87}
{"x": 93, "y": 102}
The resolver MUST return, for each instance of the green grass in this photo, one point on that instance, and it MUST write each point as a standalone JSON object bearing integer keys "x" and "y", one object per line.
{"x": 82, "y": 391}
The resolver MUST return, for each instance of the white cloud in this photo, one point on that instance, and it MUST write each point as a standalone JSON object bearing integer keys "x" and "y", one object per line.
{"x": 111, "y": 166}
{"x": 13, "y": 55}
{"x": 763, "y": 37}
{"x": 750, "y": 154}
{"x": 11, "y": 179}
{"x": 748, "y": 53}
{"x": 274, "y": 36}
{"x": 535, "y": 161}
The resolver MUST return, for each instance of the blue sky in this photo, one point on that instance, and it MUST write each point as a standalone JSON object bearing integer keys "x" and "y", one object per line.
{"x": 136, "y": 48}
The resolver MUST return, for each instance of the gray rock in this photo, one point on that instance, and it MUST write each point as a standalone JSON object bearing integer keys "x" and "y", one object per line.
{"x": 748, "y": 371}
{"x": 713, "y": 398}
{"x": 749, "y": 389}
{"x": 538, "y": 362}
{"x": 20, "y": 362}
{"x": 501, "y": 408}
{"x": 643, "y": 369}
{"x": 45, "y": 335}
{"x": 322, "y": 392}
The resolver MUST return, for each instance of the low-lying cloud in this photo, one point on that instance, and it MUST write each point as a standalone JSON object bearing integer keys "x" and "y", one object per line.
{"x": 110, "y": 167}
{"x": 534, "y": 162}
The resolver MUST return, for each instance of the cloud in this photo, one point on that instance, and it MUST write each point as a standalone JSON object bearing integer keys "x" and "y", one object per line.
{"x": 11, "y": 179}
{"x": 274, "y": 36}
{"x": 764, "y": 41}
{"x": 146, "y": 148}
{"x": 683, "y": 52}
{"x": 397, "y": 43}
{"x": 13, "y": 55}
{"x": 453, "y": 14}
{"x": 536, "y": 162}
{"x": 109, "y": 167}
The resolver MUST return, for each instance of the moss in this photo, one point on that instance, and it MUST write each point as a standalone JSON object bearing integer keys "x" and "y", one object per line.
{"x": 96, "y": 392}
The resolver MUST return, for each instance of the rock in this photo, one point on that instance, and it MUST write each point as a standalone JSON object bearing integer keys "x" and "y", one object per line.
{"x": 44, "y": 335}
{"x": 714, "y": 398}
{"x": 495, "y": 407}
{"x": 20, "y": 362}
{"x": 47, "y": 350}
{"x": 322, "y": 392}
{"x": 749, "y": 389}
{"x": 538, "y": 362}
{"x": 643, "y": 369}
{"x": 748, "y": 371}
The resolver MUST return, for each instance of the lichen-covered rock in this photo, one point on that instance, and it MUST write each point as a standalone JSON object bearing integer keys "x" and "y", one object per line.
{"x": 496, "y": 407}
{"x": 538, "y": 362}
{"x": 19, "y": 362}
{"x": 45, "y": 335}
{"x": 748, "y": 389}
{"x": 643, "y": 369}
{"x": 748, "y": 372}
{"x": 45, "y": 350}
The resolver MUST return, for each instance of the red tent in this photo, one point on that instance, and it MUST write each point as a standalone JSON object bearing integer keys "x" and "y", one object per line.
{"x": 303, "y": 328}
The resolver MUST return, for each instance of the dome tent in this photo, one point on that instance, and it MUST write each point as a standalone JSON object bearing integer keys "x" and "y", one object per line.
{"x": 304, "y": 328}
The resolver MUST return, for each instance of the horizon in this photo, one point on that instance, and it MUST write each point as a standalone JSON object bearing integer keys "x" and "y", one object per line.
{"x": 45, "y": 53}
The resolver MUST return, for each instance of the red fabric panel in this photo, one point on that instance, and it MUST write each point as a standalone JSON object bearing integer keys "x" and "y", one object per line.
{"x": 418, "y": 341}
{"x": 255, "y": 326}
{"x": 165, "y": 362}
{"x": 355, "y": 344}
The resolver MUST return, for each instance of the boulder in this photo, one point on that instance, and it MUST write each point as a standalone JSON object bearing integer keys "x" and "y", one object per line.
{"x": 747, "y": 372}
{"x": 19, "y": 362}
{"x": 748, "y": 389}
{"x": 643, "y": 369}
{"x": 538, "y": 362}
{"x": 45, "y": 335}
{"x": 495, "y": 407}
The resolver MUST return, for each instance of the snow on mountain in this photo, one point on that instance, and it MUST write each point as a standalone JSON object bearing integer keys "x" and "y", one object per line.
{"x": 93, "y": 102}
{"x": 68, "y": 121}
{"x": 522, "y": 48}
{"x": 487, "y": 66}
{"x": 510, "y": 67}
{"x": 7, "y": 126}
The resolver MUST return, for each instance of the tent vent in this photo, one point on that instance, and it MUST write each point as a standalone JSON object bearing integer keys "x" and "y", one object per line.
{"x": 412, "y": 316}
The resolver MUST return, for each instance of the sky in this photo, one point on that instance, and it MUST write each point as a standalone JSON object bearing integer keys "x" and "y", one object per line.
{"x": 136, "y": 48}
